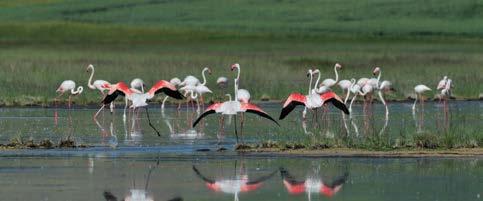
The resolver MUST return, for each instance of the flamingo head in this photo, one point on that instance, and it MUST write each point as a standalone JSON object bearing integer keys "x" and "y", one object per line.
{"x": 309, "y": 72}
{"x": 207, "y": 69}
{"x": 236, "y": 65}
{"x": 338, "y": 66}
{"x": 445, "y": 77}
{"x": 376, "y": 71}
{"x": 316, "y": 71}
{"x": 89, "y": 67}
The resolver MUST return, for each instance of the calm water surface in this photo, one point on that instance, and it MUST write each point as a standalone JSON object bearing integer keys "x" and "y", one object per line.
{"x": 164, "y": 178}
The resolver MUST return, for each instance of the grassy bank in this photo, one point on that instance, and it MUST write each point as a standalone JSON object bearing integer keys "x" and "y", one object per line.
{"x": 45, "y": 42}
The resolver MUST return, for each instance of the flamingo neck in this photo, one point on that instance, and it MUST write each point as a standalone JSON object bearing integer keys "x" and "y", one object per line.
{"x": 204, "y": 77}
{"x": 310, "y": 83}
{"x": 352, "y": 101}
{"x": 89, "y": 82}
{"x": 317, "y": 82}
{"x": 378, "y": 79}
{"x": 236, "y": 83}
{"x": 383, "y": 102}
{"x": 336, "y": 74}
{"x": 229, "y": 96}
{"x": 193, "y": 95}
{"x": 78, "y": 91}
{"x": 415, "y": 101}
{"x": 353, "y": 82}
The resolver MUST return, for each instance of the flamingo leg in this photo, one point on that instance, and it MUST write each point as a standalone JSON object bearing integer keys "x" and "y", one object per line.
{"x": 111, "y": 107}
{"x": 70, "y": 100}
{"x": 149, "y": 121}
{"x": 242, "y": 118}
{"x": 125, "y": 108}
{"x": 98, "y": 111}
{"x": 236, "y": 132}
{"x": 221, "y": 129}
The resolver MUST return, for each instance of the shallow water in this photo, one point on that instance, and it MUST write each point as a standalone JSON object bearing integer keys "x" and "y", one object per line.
{"x": 88, "y": 177}
{"x": 123, "y": 155}
{"x": 464, "y": 120}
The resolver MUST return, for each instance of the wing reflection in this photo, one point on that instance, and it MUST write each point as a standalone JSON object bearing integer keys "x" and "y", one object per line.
{"x": 240, "y": 183}
{"x": 312, "y": 184}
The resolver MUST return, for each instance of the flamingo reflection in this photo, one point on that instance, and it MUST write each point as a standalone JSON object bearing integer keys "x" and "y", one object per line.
{"x": 311, "y": 185}
{"x": 235, "y": 185}
{"x": 138, "y": 194}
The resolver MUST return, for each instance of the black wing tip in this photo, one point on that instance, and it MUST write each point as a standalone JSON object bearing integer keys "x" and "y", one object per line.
{"x": 176, "y": 199}
{"x": 109, "y": 196}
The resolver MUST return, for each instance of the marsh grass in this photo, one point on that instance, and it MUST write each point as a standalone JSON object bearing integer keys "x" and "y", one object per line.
{"x": 46, "y": 42}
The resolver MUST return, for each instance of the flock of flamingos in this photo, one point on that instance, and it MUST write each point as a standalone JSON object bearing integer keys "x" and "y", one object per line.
{"x": 192, "y": 89}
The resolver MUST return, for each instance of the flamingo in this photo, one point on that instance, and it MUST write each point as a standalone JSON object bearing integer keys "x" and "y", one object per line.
{"x": 312, "y": 185}
{"x": 312, "y": 100}
{"x": 232, "y": 107}
{"x": 69, "y": 86}
{"x": 176, "y": 82}
{"x": 384, "y": 87}
{"x": 137, "y": 84}
{"x": 419, "y": 89}
{"x": 240, "y": 184}
{"x": 243, "y": 95}
{"x": 139, "y": 99}
{"x": 345, "y": 85}
{"x": 442, "y": 83}
{"x": 446, "y": 92}
{"x": 356, "y": 90}
{"x": 100, "y": 85}
{"x": 330, "y": 82}
{"x": 222, "y": 82}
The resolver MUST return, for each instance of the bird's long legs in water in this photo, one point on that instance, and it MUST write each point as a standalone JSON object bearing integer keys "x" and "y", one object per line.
{"x": 236, "y": 132}
{"x": 149, "y": 121}
{"x": 242, "y": 118}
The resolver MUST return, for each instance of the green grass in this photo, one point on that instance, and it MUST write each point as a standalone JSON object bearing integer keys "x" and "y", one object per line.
{"x": 45, "y": 42}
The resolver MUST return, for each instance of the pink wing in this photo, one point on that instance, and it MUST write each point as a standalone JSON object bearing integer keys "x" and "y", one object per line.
{"x": 209, "y": 110}
{"x": 251, "y": 108}
{"x": 292, "y": 101}
{"x": 335, "y": 100}
{"x": 167, "y": 88}
{"x": 115, "y": 90}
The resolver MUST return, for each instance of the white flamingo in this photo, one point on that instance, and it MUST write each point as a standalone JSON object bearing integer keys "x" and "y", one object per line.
{"x": 419, "y": 89}
{"x": 137, "y": 84}
{"x": 345, "y": 85}
{"x": 68, "y": 86}
{"x": 100, "y": 85}
{"x": 331, "y": 82}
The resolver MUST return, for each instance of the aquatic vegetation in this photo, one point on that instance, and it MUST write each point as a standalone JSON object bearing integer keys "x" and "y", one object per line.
{"x": 20, "y": 143}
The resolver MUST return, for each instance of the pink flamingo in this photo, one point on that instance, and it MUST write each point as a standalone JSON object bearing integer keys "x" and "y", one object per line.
{"x": 140, "y": 99}
{"x": 233, "y": 107}
{"x": 312, "y": 101}
{"x": 68, "y": 85}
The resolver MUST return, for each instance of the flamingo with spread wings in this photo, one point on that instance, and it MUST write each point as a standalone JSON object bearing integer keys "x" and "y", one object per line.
{"x": 140, "y": 99}
{"x": 312, "y": 101}
{"x": 233, "y": 107}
